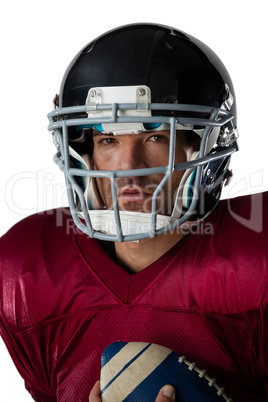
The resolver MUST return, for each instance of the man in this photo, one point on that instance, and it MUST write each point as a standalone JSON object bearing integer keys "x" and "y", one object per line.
{"x": 144, "y": 126}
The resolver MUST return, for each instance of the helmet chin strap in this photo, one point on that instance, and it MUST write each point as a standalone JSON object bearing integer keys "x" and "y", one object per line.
{"x": 131, "y": 222}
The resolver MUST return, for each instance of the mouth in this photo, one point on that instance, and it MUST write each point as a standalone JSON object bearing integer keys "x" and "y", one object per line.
{"x": 132, "y": 194}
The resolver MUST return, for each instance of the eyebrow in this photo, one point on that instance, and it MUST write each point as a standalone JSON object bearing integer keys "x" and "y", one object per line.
{"x": 97, "y": 133}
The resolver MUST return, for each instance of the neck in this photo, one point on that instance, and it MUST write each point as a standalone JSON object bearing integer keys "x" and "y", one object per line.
{"x": 134, "y": 257}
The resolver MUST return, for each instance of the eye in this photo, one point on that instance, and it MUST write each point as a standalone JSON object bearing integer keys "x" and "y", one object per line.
{"x": 108, "y": 140}
{"x": 158, "y": 138}
{"x": 100, "y": 139}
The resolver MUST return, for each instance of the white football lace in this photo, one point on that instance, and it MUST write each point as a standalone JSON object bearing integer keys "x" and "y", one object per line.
{"x": 203, "y": 374}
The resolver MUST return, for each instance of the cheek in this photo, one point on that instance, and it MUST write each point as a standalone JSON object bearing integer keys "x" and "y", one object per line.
{"x": 103, "y": 184}
{"x": 183, "y": 154}
{"x": 104, "y": 161}
{"x": 95, "y": 162}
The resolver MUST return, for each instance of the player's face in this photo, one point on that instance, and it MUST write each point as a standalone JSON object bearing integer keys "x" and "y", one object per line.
{"x": 137, "y": 151}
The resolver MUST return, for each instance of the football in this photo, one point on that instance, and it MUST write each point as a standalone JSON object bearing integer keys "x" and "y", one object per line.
{"x": 135, "y": 372}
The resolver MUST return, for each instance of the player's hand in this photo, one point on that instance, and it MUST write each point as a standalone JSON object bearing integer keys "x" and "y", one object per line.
{"x": 95, "y": 394}
{"x": 166, "y": 394}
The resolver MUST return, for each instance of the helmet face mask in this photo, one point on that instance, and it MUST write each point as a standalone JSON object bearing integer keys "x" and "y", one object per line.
{"x": 130, "y": 107}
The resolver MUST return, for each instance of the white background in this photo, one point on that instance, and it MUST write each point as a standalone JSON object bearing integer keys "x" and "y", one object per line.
{"x": 38, "y": 41}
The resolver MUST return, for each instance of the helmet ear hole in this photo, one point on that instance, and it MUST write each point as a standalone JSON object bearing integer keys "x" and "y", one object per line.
{"x": 214, "y": 175}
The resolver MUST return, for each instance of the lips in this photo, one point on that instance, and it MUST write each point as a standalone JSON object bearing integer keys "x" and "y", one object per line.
{"x": 133, "y": 194}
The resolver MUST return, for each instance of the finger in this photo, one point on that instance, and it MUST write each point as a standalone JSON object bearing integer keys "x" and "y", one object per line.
{"x": 95, "y": 394}
{"x": 167, "y": 393}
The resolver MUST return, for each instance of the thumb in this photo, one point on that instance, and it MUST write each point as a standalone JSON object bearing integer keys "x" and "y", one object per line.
{"x": 167, "y": 393}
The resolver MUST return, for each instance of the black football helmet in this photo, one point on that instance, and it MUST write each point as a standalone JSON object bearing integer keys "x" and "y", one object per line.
{"x": 136, "y": 78}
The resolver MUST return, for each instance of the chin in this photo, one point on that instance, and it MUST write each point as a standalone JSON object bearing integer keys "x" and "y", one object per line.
{"x": 134, "y": 208}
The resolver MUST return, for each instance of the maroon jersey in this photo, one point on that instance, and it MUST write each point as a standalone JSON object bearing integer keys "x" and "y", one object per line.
{"x": 63, "y": 299}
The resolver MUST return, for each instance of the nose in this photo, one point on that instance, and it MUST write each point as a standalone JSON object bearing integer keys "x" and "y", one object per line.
{"x": 132, "y": 155}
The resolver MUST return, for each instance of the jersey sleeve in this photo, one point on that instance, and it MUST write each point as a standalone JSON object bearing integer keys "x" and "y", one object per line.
{"x": 260, "y": 334}
{"x": 28, "y": 369}
{"x": 11, "y": 280}
{"x": 264, "y": 304}
{"x": 260, "y": 340}
{"x": 22, "y": 278}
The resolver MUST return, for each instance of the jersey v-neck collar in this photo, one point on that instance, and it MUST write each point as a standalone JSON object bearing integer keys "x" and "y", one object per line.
{"x": 125, "y": 286}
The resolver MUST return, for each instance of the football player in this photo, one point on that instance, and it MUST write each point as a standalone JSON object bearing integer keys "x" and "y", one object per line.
{"x": 144, "y": 127}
